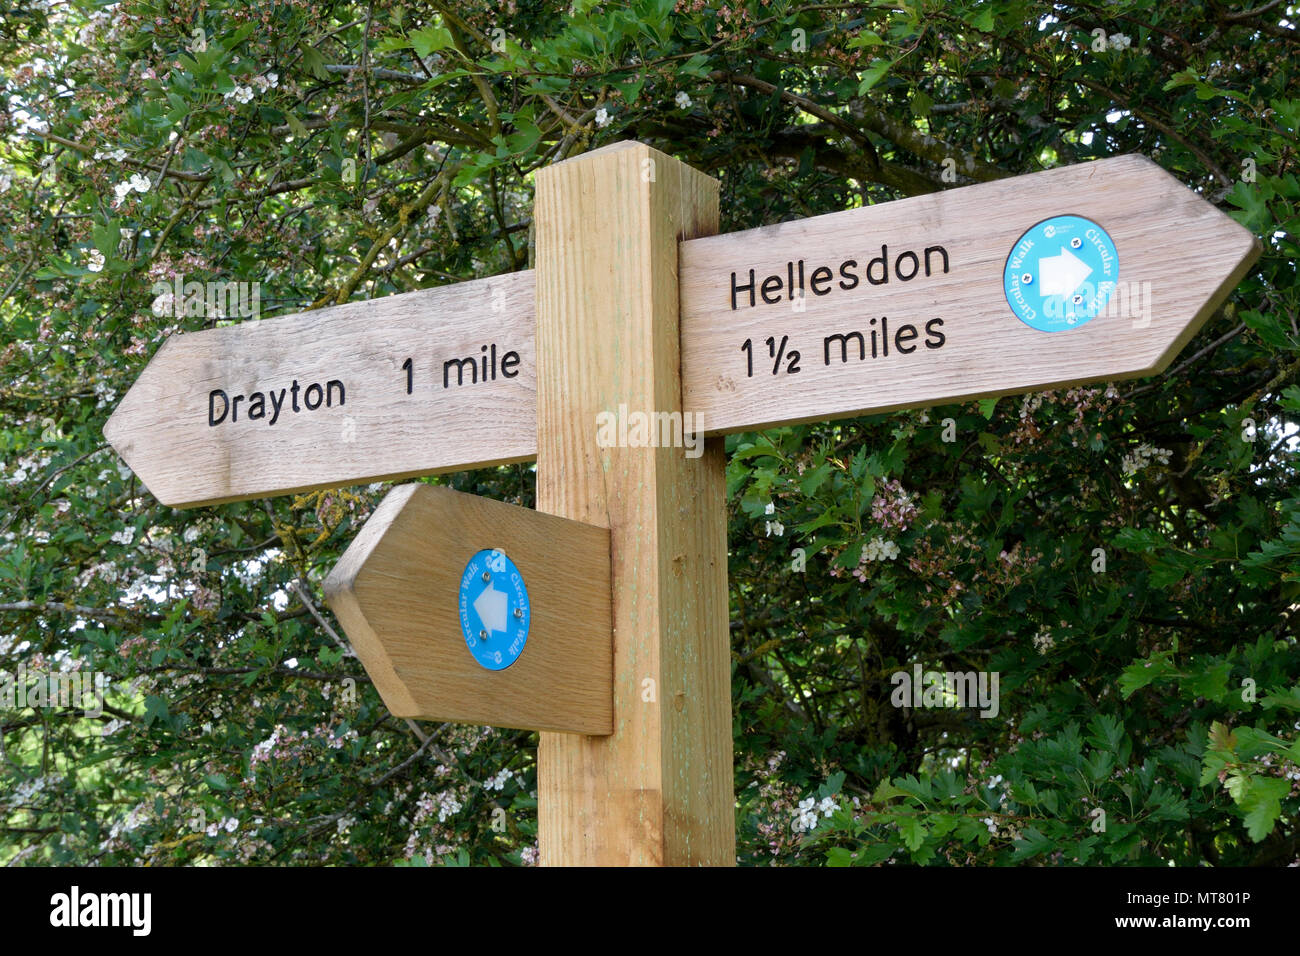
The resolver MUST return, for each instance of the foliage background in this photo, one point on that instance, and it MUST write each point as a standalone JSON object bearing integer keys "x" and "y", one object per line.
{"x": 232, "y": 733}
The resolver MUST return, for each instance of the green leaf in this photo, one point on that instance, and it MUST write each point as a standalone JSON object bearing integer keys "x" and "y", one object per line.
{"x": 155, "y": 709}
{"x": 431, "y": 39}
{"x": 864, "y": 38}
{"x": 697, "y": 65}
{"x": 755, "y": 451}
{"x": 630, "y": 90}
{"x": 912, "y": 830}
{"x": 295, "y": 124}
{"x": 1211, "y": 683}
{"x": 886, "y": 791}
{"x": 874, "y": 74}
{"x": 314, "y": 62}
{"x": 839, "y": 856}
{"x": 1032, "y": 843}
{"x": 1262, "y": 803}
{"x": 1138, "y": 539}
{"x": 1140, "y": 674}
{"x": 813, "y": 479}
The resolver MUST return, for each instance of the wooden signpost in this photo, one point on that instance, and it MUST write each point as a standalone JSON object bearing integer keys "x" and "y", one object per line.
{"x": 903, "y": 305}
{"x": 407, "y": 631}
{"x": 893, "y": 306}
{"x": 601, "y": 620}
{"x": 430, "y": 381}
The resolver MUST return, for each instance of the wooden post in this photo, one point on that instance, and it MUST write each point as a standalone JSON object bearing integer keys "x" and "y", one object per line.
{"x": 659, "y": 790}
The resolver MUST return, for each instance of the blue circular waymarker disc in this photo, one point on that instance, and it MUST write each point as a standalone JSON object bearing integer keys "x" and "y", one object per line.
{"x": 494, "y": 611}
{"x": 1061, "y": 273}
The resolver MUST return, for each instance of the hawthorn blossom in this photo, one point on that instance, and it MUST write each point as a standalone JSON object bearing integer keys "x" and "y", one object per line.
{"x": 1143, "y": 457}
{"x": 805, "y": 816}
{"x": 137, "y": 182}
{"x": 878, "y": 549}
{"x": 448, "y": 806}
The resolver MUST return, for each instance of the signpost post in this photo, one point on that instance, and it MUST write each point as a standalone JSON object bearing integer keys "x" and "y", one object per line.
{"x": 606, "y": 627}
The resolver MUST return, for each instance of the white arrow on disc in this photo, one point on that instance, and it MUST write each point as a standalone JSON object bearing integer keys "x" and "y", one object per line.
{"x": 490, "y": 606}
{"x": 1062, "y": 274}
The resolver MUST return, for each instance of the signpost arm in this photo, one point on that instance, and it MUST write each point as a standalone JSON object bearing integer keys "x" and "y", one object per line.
{"x": 658, "y": 791}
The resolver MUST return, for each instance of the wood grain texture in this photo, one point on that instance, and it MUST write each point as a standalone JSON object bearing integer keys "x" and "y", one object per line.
{"x": 395, "y": 590}
{"x": 161, "y": 428}
{"x": 659, "y": 790}
{"x": 1191, "y": 254}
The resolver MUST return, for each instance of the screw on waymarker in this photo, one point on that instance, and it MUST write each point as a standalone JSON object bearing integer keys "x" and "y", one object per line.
{"x": 1027, "y": 278}
{"x": 482, "y": 635}
{"x": 487, "y": 575}
{"x": 519, "y": 613}
{"x": 1076, "y": 242}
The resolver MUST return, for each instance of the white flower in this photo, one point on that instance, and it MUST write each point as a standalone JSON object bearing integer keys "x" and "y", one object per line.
{"x": 6, "y": 179}
{"x": 95, "y": 261}
{"x": 240, "y": 94}
{"x": 1143, "y": 457}
{"x": 140, "y": 182}
{"x": 264, "y": 83}
{"x": 989, "y": 822}
{"x": 770, "y": 509}
{"x": 448, "y": 806}
{"x": 775, "y": 527}
{"x": 602, "y": 117}
{"x": 433, "y": 213}
{"x": 125, "y": 536}
{"x": 116, "y": 155}
{"x": 32, "y": 124}
{"x": 1119, "y": 41}
{"x": 1044, "y": 642}
{"x": 498, "y": 781}
{"x": 805, "y": 816}
{"x": 120, "y": 192}
{"x": 683, "y": 101}
{"x": 828, "y": 806}
{"x": 878, "y": 549}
